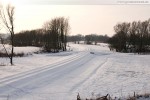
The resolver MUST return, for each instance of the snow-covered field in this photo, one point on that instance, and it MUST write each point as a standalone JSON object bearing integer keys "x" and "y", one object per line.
{"x": 85, "y": 69}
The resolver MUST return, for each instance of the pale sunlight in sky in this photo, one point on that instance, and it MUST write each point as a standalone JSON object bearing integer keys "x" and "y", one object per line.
{"x": 83, "y": 19}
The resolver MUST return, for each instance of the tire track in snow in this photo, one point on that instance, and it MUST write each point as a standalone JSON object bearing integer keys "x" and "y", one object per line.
{"x": 47, "y": 75}
{"x": 70, "y": 58}
{"x": 41, "y": 69}
{"x": 89, "y": 76}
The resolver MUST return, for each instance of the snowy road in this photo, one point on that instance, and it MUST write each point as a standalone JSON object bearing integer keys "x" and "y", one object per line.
{"x": 62, "y": 75}
{"x": 56, "y": 81}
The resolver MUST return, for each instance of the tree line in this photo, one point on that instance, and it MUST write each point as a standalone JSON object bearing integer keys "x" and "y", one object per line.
{"x": 88, "y": 39}
{"x": 131, "y": 37}
{"x": 53, "y": 42}
{"x": 52, "y": 36}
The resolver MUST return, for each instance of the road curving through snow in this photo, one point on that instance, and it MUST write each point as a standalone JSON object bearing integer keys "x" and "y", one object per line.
{"x": 63, "y": 76}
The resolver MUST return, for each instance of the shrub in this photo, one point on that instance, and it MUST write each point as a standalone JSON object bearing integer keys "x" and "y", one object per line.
{"x": 15, "y": 54}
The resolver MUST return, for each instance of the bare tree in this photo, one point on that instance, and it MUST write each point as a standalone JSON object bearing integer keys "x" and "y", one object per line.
{"x": 132, "y": 37}
{"x": 7, "y": 17}
{"x": 56, "y": 31}
{"x": 66, "y": 30}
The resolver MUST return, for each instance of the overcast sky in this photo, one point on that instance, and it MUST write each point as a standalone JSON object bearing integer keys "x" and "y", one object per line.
{"x": 83, "y": 19}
